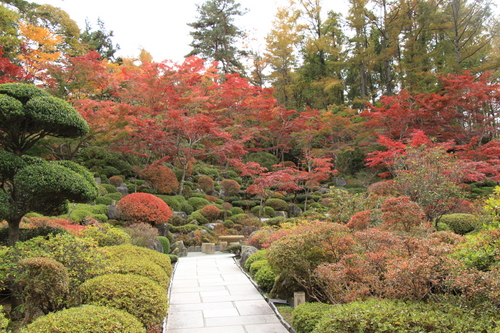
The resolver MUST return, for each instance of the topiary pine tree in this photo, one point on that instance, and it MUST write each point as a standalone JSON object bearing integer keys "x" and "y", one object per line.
{"x": 30, "y": 184}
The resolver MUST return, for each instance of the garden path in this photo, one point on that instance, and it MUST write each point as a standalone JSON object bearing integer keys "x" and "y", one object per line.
{"x": 210, "y": 293}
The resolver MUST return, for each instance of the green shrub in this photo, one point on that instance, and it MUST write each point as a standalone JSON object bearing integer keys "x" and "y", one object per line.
{"x": 197, "y": 216}
{"x": 266, "y": 211}
{"x": 259, "y": 255}
{"x": 235, "y": 249}
{"x": 239, "y": 217}
{"x": 265, "y": 159}
{"x": 265, "y": 277}
{"x": 460, "y": 223}
{"x": 306, "y": 316}
{"x": 110, "y": 188}
{"x": 198, "y": 203}
{"x": 256, "y": 265}
{"x": 165, "y": 244}
{"x": 277, "y": 204}
{"x": 4, "y": 322}
{"x": 129, "y": 251}
{"x": 246, "y": 204}
{"x": 205, "y": 169}
{"x": 171, "y": 201}
{"x": 173, "y": 258}
{"x": 387, "y": 316}
{"x": 228, "y": 224}
{"x": 108, "y": 198}
{"x": 86, "y": 319}
{"x": 140, "y": 267}
{"x": 184, "y": 229}
{"x": 237, "y": 210}
{"x": 138, "y": 295}
{"x": 275, "y": 221}
{"x": 27, "y": 234}
{"x": 105, "y": 235}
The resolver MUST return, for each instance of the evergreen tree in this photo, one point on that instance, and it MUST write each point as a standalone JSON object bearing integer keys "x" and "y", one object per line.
{"x": 215, "y": 35}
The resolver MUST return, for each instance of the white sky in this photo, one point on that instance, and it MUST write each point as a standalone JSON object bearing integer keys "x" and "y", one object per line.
{"x": 160, "y": 26}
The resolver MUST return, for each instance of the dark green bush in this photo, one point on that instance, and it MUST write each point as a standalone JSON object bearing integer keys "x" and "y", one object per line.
{"x": 245, "y": 204}
{"x": 306, "y": 316}
{"x": 460, "y": 223}
{"x": 86, "y": 319}
{"x": 184, "y": 229}
{"x": 387, "y": 316}
{"x": 165, "y": 244}
{"x": 108, "y": 198}
{"x": 198, "y": 203}
{"x": 173, "y": 258}
{"x": 265, "y": 159}
{"x": 197, "y": 216}
{"x": 171, "y": 201}
{"x": 237, "y": 210}
{"x": 266, "y": 211}
{"x": 277, "y": 204}
{"x": 275, "y": 221}
{"x": 256, "y": 265}
{"x": 110, "y": 188}
{"x": 239, "y": 217}
{"x": 259, "y": 255}
{"x": 138, "y": 295}
{"x": 265, "y": 277}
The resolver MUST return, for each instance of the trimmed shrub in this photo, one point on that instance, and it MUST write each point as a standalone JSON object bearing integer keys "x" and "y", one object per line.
{"x": 44, "y": 284}
{"x": 206, "y": 184}
{"x": 115, "y": 180}
{"x": 245, "y": 204}
{"x": 265, "y": 277}
{"x": 211, "y": 212}
{"x": 161, "y": 179}
{"x": 230, "y": 187}
{"x": 386, "y": 316}
{"x": 236, "y": 211}
{"x": 142, "y": 234}
{"x": 259, "y": 255}
{"x": 129, "y": 251}
{"x": 266, "y": 211}
{"x": 86, "y": 319}
{"x": 172, "y": 202}
{"x": 173, "y": 258}
{"x": 256, "y": 265}
{"x": 275, "y": 221}
{"x": 105, "y": 235}
{"x": 138, "y": 295}
{"x": 198, "y": 217}
{"x": 277, "y": 204}
{"x": 140, "y": 267}
{"x": 460, "y": 223}
{"x": 110, "y": 188}
{"x": 30, "y": 233}
{"x": 165, "y": 244}
{"x": 198, "y": 203}
{"x": 108, "y": 198}
{"x": 306, "y": 316}
{"x": 144, "y": 207}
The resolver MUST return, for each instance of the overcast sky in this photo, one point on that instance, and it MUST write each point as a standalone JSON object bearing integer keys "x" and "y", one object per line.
{"x": 160, "y": 26}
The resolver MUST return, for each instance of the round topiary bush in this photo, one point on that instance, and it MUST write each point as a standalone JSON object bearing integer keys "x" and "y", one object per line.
{"x": 460, "y": 223}
{"x": 277, "y": 204}
{"x": 115, "y": 180}
{"x": 161, "y": 179}
{"x": 141, "y": 267}
{"x": 143, "y": 207}
{"x": 198, "y": 203}
{"x": 165, "y": 244}
{"x": 259, "y": 255}
{"x": 132, "y": 252}
{"x": 211, "y": 212}
{"x": 206, "y": 184}
{"x": 86, "y": 319}
{"x": 306, "y": 316}
{"x": 138, "y": 295}
{"x": 256, "y": 265}
{"x": 230, "y": 187}
{"x": 265, "y": 277}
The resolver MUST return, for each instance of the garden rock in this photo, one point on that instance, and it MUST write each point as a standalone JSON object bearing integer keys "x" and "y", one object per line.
{"x": 154, "y": 244}
{"x": 294, "y": 211}
{"x": 181, "y": 214}
{"x": 281, "y": 213}
{"x": 112, "y": 212}
{"x": 123, "y": 189}
{"x": 246, "y": 251}
{"x": 179, "y": 249}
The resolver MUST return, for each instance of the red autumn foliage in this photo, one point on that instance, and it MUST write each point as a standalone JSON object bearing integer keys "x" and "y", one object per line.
{"x": 401, "y": 214}
{"x": 161, "y": 178}
{"x": 144, "y": 207}
{"x": 360, "y": 220}
{"x": 66, "y": 224}
{"x": 211, "y": 212}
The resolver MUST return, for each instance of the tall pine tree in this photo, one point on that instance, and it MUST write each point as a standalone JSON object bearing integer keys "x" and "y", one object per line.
{"x": 215, "y": 35}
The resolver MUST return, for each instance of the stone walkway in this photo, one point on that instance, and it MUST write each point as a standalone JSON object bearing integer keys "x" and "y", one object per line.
{"x": 209, "y": 293}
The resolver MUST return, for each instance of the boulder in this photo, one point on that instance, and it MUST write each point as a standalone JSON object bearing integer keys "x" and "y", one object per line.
{"x": 281, "y": 213}
{"x": 179, "y": 249}
{"x": 246, "y": 251}
{"x": 294, "y": 210}
{"x": 183, "y": 215}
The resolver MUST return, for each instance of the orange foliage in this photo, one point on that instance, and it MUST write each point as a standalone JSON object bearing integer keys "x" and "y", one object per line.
{"x": 161, "y": 178}
{"x": 66, "y": 224}
{"x": 144, "y": 207}
{"x": 211, "y": 212}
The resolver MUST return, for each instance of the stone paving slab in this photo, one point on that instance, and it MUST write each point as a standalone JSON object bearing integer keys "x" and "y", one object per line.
{"x": 210, "y": 294}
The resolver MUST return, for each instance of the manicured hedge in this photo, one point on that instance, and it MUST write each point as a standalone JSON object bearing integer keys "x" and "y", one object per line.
{"x": 138, "y": 295}
{"x": 306, "y": 316}
{"x": 86, "y": 319}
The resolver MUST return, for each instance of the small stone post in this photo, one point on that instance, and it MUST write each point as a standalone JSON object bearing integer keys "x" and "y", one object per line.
{"x": 299, "y": 297}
